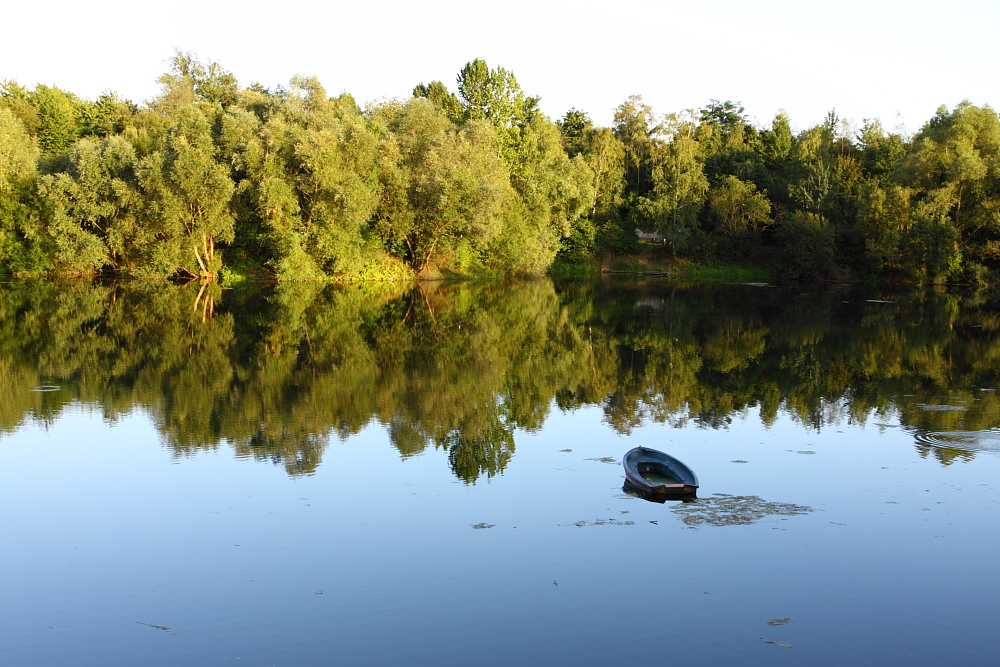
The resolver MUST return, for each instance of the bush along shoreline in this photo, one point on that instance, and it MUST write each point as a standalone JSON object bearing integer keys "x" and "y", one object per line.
{"x": 211, "y": 179}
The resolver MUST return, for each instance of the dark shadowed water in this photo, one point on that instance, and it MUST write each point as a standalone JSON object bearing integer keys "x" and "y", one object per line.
{"x": 314, "y": 475}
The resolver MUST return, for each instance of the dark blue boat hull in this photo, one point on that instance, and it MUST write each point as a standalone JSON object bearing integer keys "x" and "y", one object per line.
{"x": 677, "y": 479}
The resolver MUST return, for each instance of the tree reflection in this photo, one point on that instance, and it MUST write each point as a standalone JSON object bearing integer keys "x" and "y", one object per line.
{"x": 276, "y": 372}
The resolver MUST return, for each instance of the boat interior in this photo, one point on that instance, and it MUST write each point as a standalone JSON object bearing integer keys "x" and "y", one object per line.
{"x": 655, "y": 473}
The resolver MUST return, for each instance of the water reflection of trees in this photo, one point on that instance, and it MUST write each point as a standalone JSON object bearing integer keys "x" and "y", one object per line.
{"x": 274, "y": 373}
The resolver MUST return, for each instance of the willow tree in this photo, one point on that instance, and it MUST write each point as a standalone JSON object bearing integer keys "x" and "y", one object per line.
{"x": 454, "y": 185}
{"x": 308, "y": 166}
{"x": 22, "y": 243}
{"x": 554, "y": 192}
{"x": 97, "y": 208}
{"x": 188, "y": 194}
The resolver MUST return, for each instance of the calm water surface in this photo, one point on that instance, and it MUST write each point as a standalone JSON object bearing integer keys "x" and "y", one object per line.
{"x": 316, "y": 475}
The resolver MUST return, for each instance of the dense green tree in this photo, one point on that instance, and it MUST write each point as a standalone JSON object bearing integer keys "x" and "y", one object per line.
{"x": 573, "y": 128}
{"x": 680, "y": 191}
{"x": 97, "y": 208}
{"x": 954, "y": 167}
{"x": 738, "y": 208}
{"x": 455, "y": 190}
{"x": 636, "y": 127}
{"x": 16, "y": 98}
{"x": 57, "y": 119}
{"x": 23, "y": 245}
{"x": 189, "y": 196}
{"x": 808, "y": 244}
{"x": 439, "y": 94}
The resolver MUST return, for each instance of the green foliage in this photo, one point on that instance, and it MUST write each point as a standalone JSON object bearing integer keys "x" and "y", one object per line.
{"x": 97, "y": 208}
{"x": 573, "y": 128}
{"x": 808, "y": 246}
{"x": 300, "y": 185}
{"x": 451, "y": 185}
{"x": 188, "y": 193}
{"x": 679, "y": 194}
{"x": 636, "y": 128}
{"x": 439, "y": 94}
{"x": 57, "y": 123}
{"x": 738, "y": 208}
{"x": 22, "y": 245}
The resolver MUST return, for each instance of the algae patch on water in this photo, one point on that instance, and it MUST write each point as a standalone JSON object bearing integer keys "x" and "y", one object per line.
{"x": 602, "y": 522}
{"x": 722, "y": 509}
{"x": 779, "y": 621}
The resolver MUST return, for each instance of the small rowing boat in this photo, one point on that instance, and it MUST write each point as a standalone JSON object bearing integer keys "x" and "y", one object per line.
{"x": 653, "y": 472}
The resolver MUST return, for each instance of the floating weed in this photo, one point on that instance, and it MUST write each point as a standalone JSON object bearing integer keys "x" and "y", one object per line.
{"x": 779, "y": 621}
{"x": 479, "y": 526}
{"x": 603, "y": 522}
{"x": 604, "y": 459}
{"x": 725, "y": 510}
{"x": 772, "y": 642}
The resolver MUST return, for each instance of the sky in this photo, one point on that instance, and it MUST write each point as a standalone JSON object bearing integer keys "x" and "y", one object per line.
{"x": 893, "y": 60}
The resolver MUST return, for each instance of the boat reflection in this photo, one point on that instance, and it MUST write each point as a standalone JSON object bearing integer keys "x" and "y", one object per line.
{"x": 630, "y": 489}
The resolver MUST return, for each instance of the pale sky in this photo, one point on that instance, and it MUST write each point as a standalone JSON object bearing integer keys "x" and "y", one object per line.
{"x": 897, "y": 60}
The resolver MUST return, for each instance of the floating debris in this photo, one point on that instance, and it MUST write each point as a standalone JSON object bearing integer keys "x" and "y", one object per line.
{"x": 879, "y": 301}
{"x": 159, "y": 627}
{"x": 604, "y": 459}
{"x": 722, "y": 509}
{"x": 479, "y": 526}
{"x": 933, "y": 407}
{"x": 779, "y": 621}
{"x": 603, "y": 522}
{"x": 739, "y": 461}
{"x": 565, "y": 450}
{"x": 47, "y": 387}
{"x": 805, "y": 451}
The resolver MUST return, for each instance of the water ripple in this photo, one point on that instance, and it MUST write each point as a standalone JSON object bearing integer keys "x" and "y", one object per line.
{"x": 979, "y": 441}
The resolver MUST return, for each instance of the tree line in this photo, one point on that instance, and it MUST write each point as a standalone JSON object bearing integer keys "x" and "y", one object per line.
{"x": 277, "y": 373}
{"x": 212, "y": 178}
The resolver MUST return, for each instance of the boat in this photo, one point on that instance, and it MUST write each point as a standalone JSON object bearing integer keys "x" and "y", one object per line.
{"x": 654, "y": 473}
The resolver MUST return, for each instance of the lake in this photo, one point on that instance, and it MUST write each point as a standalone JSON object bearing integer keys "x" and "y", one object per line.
{"x": 383, "y": 475}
